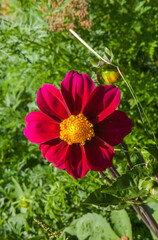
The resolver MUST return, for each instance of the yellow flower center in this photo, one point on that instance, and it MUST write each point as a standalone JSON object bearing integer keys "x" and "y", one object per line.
{"x": 76, "y": 129}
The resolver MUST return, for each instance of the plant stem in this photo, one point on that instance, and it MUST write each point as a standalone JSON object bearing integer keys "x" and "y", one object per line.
{"x": 150, "y": 219}
{"x": 137, "y": 209}
{"x": 126, "y": 152}
{"x": 139, "y": 106}
{"x": 87, "y": 46}
{"x": 105, "y": 177}
{"x": 141, "y": 210}
{"x": 114, "y": 172}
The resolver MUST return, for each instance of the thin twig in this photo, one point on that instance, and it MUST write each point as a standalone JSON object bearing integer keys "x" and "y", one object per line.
{"x": 139, "y": 106}
{"x": 114, "y": 172}
{"x": 150, "y": 219}
{"x": 137, "y": 209}
{"x": 126, "y": 152}
{"x": 111, "y": 173}
{"x": 141, "y": 211}
{"x": 87, "y": 46}
{"x": 105, "y": 177}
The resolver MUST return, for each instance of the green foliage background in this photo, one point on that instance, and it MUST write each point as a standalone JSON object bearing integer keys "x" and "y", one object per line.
{"x": 32, "y": 55}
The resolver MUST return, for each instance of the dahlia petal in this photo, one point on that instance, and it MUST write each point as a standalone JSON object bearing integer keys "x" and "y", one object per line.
{"x": 40, "y": 127}
{"x": 103, "y": 101}
{"x": 114, "y": 128}
{"x": 76, "y": 89}
{"x": 51, "y": 102}
{"x": 99, "y": 154}
{"x": 55, "y": 152}
{"x": 76, "y": 163}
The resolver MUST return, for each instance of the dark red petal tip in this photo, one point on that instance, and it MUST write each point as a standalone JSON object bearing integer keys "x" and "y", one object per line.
{"x": 40, "y": 127}
{"x": 76, "y": 89}
{"x": 99, "y": 154}
{"x": 103, "y": 102}
{"x": 51, "y": 102}
{"x": 114, "y": 128}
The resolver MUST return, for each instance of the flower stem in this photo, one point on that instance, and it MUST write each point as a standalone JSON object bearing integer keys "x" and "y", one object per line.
{"x": 105, "y": 177}
{"x": 138, "y": 104}
{"x": 114, "y": 173}
{"x": 126, "y": 152}
{"x": 141, "y": 210}
{"x": 150, "y": 219}
{"x": 87, "y": 46}
{"x": 139, "y": 107}
{"x": 137, "y": 209}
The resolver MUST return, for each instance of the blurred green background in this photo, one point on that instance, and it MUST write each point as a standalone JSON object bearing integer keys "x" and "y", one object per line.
{"x": 36, "y": 48}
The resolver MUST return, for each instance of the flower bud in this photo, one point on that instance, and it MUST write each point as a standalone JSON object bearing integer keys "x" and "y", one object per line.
{"x": 111, "y": 77}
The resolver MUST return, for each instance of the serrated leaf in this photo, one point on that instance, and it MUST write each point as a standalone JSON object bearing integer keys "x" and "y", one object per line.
{"x": 120, "y": 194}
{"x": 103, "y": 200}
{"x": 121, "y": 223}
{"x": 126, "y": 186}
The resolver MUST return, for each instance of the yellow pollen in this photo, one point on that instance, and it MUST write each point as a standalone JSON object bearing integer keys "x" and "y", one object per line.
{"x": 76, "y": 129}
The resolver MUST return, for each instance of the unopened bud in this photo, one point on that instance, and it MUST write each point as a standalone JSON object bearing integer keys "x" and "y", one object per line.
{"x": 111, "y": 77}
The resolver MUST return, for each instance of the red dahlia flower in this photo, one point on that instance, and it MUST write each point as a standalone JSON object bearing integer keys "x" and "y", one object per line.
{"x": 77, "y": 127}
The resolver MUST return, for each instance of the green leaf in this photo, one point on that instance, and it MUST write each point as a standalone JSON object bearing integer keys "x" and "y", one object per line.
{"x": 126, "y": 186}
{"x": 92, "y": 226}
{"x": 18, "y": 189}
{"x": 103, "y": 200}
{"x": 153, "y": 150}
{"x": 109, "y": 54}
{"x": 121, "y": 223}
{"x": 121, "y": 192}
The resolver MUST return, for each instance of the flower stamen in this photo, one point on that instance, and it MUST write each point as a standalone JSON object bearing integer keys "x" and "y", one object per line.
{"x": 76, "y": 129}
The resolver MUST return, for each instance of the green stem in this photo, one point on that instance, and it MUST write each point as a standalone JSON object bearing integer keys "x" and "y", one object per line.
{"x": 141, "y": 210}
{"x": 126, "y": 152}
{"x": 139, "y": 107}
{"x": 150, "y": 219}
{"x": 87, "y": 46}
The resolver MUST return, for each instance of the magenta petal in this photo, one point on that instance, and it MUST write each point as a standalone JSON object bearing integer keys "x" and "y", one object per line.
{"x": 55, "y": 151}
{"x": 114, "y": 128}
{"x": 76, "y": 89}
{"x": 76, "y": 163}
{"x": 51, "y": 102}
{"x": 103, "y": 101}
{"x": 99, "y": 154}
{"x": 40, "y": 127}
